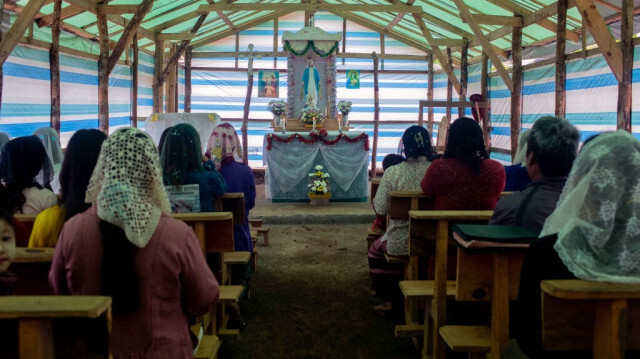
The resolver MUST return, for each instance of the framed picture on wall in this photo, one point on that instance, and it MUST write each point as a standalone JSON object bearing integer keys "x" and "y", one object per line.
{"x": 353, "y": 79}
{"x": 268, "y": 83}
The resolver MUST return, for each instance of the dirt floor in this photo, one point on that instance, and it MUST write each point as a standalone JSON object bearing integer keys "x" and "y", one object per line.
{"x": 310, "y": 298}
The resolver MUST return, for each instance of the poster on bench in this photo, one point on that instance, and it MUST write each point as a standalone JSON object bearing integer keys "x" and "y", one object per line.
{"x": 185, "y": 198}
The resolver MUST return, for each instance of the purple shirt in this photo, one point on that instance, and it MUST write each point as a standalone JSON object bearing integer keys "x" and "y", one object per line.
{"x": 173, "y": 279}
{"x": 239, "y": 178}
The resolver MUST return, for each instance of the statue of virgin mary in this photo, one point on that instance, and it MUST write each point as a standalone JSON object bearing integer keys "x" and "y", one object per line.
{"x": 311, "y": 84}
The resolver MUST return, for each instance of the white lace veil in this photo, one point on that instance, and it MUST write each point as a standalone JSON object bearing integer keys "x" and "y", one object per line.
{"x": 596, "y": 218}
{"x": 126, "y": 185}
{"x": 521, "y": 152}
{"x": 51, "y": 141}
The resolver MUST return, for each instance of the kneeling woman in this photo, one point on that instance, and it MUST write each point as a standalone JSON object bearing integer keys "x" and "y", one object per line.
{"x": 405, "y": 176}
{"x": 128, "y": 247}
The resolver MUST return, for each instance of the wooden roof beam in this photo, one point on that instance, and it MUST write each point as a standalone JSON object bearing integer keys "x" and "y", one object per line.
{"x": 116, "y": 19}
{"x": 67, "y": 12}
{"x": 11, "y": 38}
{"x": 444, "y": 61}
{"x": 240, "y": 27}
{"x": 119, "y": 9}
{"x": 127, "y": 35}
{"x": 398, "y": 17}
{"x": 606, "y": 42}
{"x": 179, "y": 51}
{"x": 610, "y": 6}
{"x": 184, "y": 36}
{"x": 486, "y": 44}
{"x": 497, "y": 20}
{"x": 309, "y": 7}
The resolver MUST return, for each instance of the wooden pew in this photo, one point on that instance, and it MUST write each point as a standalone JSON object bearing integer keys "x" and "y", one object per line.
{"x": 27, "y": 220}
{"x": 375, "y": 183}
{"x": 233, "y": 202}
{"x": 429, "y": 234}
{"x": 35, "y": 316}
{"x": 31, "y": 266}
{"x": 586, "y": 315}
{"x": 485, "y": 276}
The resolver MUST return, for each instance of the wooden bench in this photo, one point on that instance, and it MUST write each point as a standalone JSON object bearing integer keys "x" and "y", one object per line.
{"x": 375, "y": 183}
{"x": 35, "y": 316}
{"x": 233, "y": 202}
{"x": 27, "y": 220}
{"x": 256, "y": 225}
{"x": 485, "y": 276}
{"x": 31, "y": 266}
{"x": 429, "y": 234}
{"x": 585, "y": 315}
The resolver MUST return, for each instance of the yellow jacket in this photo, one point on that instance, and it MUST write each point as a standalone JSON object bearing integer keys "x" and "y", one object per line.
{"x": 47, "y": 227}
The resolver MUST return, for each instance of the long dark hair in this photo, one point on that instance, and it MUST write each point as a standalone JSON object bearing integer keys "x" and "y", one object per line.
{"x": 79, "y": 160}
{"x": 416, "y": 142}
{"x": 466, "y": 143}
{"x": 181, "y": 153}
{"x": 23, "y": 159}
{"x": 118, "y": 279}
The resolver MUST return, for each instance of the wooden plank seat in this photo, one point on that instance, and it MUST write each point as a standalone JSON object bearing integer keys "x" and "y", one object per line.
{"x": 372, "y": 236}
{"x": 588, "y": 315}
{"x": 256, "y": 225}
{"x": 241, "y": 257}
{"x": 485, "y": 276}
{"x": 35, "y": 315}
{"x": 31, "y": 266}
{"x": 429, "y": 234}
{"x": 208, "y": 347}
{"x": 396, "y": 259}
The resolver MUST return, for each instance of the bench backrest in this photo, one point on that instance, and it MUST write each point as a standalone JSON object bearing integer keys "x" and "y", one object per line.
{"x": 232, "y": 202}
{"x": 213, "y": 229}
{"x": 474, "y": 275}
{"x": 401, "y": 202}
{"x": 375, "y": 183}
{"x": 27, "y": 220}
{"x": 31, "y": 266}
{"x": 570, "y": 307}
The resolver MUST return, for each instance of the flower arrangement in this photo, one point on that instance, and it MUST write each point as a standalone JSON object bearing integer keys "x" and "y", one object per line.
{"x": 344, "y": 107}
{"x": 319, "y": 181}
{"x": 311, "y": 113}
{"x": 277, "y": 107}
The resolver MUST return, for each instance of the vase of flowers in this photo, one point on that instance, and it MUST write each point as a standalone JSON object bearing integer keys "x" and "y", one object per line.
{"x": 345, "y": 108}
{"x": 319, "y": 187}
{"x": 311, "y": 115}
{"x": 277, "y": 108}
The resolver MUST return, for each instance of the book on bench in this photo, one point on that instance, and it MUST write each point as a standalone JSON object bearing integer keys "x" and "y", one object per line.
{"x": 492, "y": 236}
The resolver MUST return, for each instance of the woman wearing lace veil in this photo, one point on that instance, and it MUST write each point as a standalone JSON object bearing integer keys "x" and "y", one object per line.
{"x": 51, "y": 141}
{"x": 128, "y": 247}
{"x": 593, "y": 234}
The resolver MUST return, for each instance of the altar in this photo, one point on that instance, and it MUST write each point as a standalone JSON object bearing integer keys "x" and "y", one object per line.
{"x": 204, "y": 123}
{"x": 290, "y": 157}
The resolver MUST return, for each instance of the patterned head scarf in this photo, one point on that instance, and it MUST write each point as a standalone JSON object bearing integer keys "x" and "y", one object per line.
{"x": 416, "y": 142}
{"x": 51, "y": 141}
{"x": 597, "y": 216}
{"x": 224, "y": 144}
{"x": 126, "y": 185}
{"x": 521, "y": 152}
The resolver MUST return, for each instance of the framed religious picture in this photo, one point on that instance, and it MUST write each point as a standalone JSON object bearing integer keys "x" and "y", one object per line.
{"x": 353, "y": 79}
{"x": 268, "y": 83}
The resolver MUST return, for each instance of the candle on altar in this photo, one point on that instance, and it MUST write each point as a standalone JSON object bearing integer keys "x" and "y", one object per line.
{"x": 284, "y": 124}
{"x": 314, "y": 123}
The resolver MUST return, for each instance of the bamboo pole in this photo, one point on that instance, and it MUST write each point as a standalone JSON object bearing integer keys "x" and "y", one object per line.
{"x": 430, "y": 93}
{"x": 170, "y": 88}
{"x": 464, "y": 76}
{"x": 449, "y": 87}
{"x": 275, "y": 43}
{"x": 624, "y": 87}
{"x": 376, "y": 114}
{"x": 134, "y": 78}
{"x": 54, "y": 65}
{"x": 561, "y": 75}
{"x": 187, "y": 79}
{"x": 484, "y": 92}
{"x": 103, "y": 72}
{"x": 157, "y": 73}
{"x": 247, "y": 108}
{"x": 516, "y": 95}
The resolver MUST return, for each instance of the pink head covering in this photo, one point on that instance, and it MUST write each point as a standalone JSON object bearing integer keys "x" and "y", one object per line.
{"x": 224, "y": 145}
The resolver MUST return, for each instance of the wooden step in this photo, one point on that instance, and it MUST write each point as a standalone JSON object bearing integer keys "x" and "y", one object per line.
{"x": 230, "y": 293}
{"x": 208, "y": 347}
{"x": 467, "y": 338}
{"x": 396, "y": 259}
{"x": 409, "y": 330}
{"x": 257, "y": 222}
{"x": 424, "y": 288}
{"x": 229, "y": 333}
{"x": 241, "y": 257}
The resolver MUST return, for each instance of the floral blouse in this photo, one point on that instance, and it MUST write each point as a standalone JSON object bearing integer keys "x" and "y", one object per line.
{"x": 405, "y": 176}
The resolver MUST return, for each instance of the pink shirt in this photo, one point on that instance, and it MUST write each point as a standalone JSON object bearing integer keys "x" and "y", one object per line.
{"x": 173, "y": 280}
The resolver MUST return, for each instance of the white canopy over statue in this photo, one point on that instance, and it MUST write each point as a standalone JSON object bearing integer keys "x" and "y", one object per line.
{"x": 312, "y": 70}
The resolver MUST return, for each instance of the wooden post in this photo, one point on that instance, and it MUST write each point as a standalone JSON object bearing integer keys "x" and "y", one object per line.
{"x": 561, "y": 74}
{"x": 134, "y": 80}
{"x": 430, "y": 93}
{"x": 170, "y": 88}
{"x": 1, "y": 72}
{"x": 187, "y": 79}
{"x": 247, "y": 107}
{"x": 54, "y": 65}
{"x": 103, "y": 71}
{"x": 464, "y": 75}
{"x": 624, "y": 87}
{"x": 127, "y": 34}
{"x": 275, "y": 43}
{"x": 157, "y": 74}
{"x": 449, "y": 87}
{"x": 237, "y": 47}
{"x": 376, "y": 114}
{"x": 344, "y": 38}
{"x": 484, "y": 92}
{"x": 516, "y": 95}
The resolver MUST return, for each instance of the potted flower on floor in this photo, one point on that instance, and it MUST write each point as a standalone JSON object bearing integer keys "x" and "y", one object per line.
{"x": 319, "y": 187}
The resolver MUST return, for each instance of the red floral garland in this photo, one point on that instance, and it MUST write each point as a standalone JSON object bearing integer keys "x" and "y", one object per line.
{"x": 318, "y": 136}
